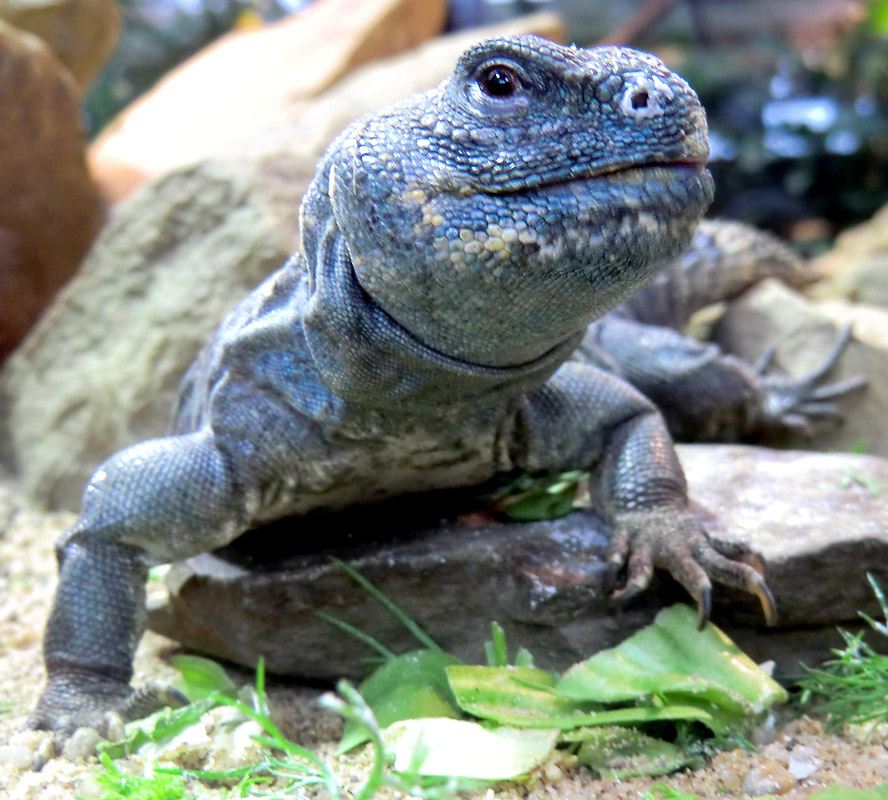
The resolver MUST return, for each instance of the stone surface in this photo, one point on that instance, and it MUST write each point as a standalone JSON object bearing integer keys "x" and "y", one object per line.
{"x": 101, "y": 369}
{"x": 820, "y": 521}
{"x": 81, "y": 33}
{"x": 50, "y": 210}
{"x": 856, "y": 268}
{"x": 249, "y": 81}
{"x": 803, "y": 332}
{"x": 313, "y": 126}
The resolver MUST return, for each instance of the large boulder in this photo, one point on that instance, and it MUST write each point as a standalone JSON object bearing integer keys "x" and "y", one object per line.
{"x": 81, "y": 33}
{"x": 856, "y": 268}
{"x": 100, "y": 370}
{"x": 50, "y": 209}
{"x": 250, "y": 81}
{"x": 386, "y": 81}
{"x": 820, "y": 522}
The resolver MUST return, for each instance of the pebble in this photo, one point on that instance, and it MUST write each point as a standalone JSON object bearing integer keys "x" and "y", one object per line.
{"x": 803, "y": 763}
{"x": 768, "y": 777}
{"x": 82, "y": 744}
{"x": 44, "y": 751}
{"x": 17, "y": 755}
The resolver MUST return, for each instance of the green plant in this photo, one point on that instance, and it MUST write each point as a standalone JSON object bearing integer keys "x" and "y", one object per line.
{"x": 853, "y": 687}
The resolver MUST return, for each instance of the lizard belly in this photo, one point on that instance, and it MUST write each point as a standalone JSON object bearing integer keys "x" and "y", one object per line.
{"x": 376, "y": 468}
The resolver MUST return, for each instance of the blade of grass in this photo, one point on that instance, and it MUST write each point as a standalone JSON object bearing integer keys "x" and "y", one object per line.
{"x": 357, "y": 633}
{"x": 393, "y": 608}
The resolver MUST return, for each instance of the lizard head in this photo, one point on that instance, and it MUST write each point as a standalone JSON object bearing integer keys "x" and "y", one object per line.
{"x": 533, "y": 191}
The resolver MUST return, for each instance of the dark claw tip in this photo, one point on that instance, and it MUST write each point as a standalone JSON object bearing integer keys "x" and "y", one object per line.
{"x": 625, "y": 594}
{"x": 769, "y": 607}
{"x": 704, "y": 608}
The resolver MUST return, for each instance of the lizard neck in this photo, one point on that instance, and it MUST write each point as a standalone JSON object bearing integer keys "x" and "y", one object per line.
{"x": 368, "y": 358}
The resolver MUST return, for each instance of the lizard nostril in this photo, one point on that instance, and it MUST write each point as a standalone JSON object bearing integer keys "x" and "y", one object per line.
{"x": 645, "y": 97}
{"x": 640, "y": 99}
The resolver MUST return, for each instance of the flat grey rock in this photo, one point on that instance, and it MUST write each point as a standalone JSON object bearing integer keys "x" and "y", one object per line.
{"x": 820, "y": 521}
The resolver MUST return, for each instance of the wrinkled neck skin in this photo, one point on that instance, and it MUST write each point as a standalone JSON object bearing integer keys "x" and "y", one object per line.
{"x": 368, "y": 358}
{"x": 556, "y": 258}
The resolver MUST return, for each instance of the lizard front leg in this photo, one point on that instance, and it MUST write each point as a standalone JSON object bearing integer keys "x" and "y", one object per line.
{"x": 586, "y": 418}
{"x": 159, "y": 501}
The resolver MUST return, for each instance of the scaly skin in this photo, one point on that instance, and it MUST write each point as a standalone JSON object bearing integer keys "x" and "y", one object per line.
{"x": 455, "y": 248}
{"x": 704, "y": 394}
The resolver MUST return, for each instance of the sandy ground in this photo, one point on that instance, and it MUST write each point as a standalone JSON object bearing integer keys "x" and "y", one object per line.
{"x": 27, "y": 579}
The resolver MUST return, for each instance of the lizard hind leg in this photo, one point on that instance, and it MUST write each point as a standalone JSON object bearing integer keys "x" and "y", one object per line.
{"x": 158, "y": 501}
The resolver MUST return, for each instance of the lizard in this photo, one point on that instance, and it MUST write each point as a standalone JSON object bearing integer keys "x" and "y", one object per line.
{"x": 455, "y": 248}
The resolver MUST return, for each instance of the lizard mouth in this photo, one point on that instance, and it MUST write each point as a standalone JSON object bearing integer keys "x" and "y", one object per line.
{"x": 629, "y": 174}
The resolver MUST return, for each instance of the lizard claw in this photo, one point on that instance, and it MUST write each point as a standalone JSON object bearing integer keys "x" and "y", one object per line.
{"x": 674, "y": 539}
{"x": 82, "y": 700}
{"x": 799, "y": 403}
{"x": 151, "y": 697}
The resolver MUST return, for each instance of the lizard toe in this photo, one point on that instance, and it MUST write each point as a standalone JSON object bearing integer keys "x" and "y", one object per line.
{"x": 743, "y": 569}
{"x": 675, "y": 540}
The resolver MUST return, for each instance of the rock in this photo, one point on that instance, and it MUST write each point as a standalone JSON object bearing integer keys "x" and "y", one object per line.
{"x": 784, "y": 764}
{"x": 820, "y": 521}
{"x": 803, "y": 333}
{"x": 81, "y": 33}
{"x": 857, "y": 266}
{"x": 768, "y": 778}
{"x": 390, "y": 80}
{"x": 101, "y": 369}
{"x": 249, "y": 81}
{"x": 18, "y": 756}
{"x": 51, "y": 210}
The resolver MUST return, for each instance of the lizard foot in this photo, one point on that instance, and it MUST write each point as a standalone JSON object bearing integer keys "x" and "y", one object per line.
{"x": 75, "y": 700}
{"x": 675, "y": 540}
{"x": 798, "y": 403}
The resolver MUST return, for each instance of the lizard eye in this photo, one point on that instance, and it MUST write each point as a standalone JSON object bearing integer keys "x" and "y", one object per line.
{"x": 498, "y": 80}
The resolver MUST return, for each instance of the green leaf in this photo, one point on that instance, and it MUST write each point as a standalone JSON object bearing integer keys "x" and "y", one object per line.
{"x": 672, "y": 660}
{"x": 877, "y": 19}
{"x": 663, "y": 791}
{"x": 872, "y": 485}
{"x": 497, "y": 652}
{"x": 530, "y": 498}
{"x": 617, "y": 753}
{"x": 523, "y": 658}
{"x": 160, "y": 727}
{"x": 525, "y": 697}
{"x": 519, "y": 693}
{"x": 410, "y": 686}
{"x": 154, "y": 786}
{"x": 846, "y": 793}
{"x": 463, "y": 749}
{"x": 202, "y": 677}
